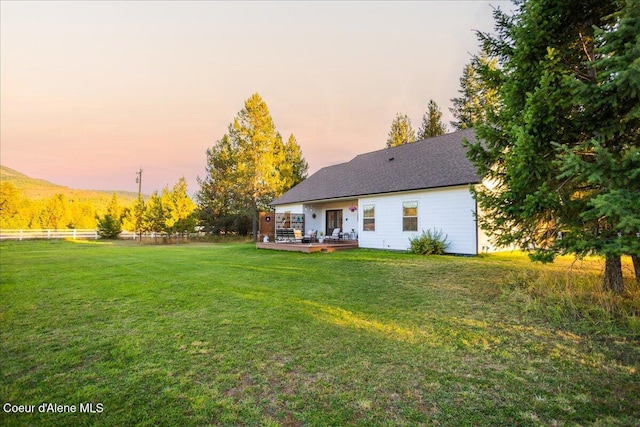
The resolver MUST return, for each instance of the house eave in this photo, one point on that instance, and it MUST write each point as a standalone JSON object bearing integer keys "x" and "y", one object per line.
{"x": 357, "y": 196}
{"x": 327, "y": 200}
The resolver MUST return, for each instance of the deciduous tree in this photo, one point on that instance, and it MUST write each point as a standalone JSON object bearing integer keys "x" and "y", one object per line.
{"x": 154, "y": 217}
{"x": 56, "y": 213}
{"x": 134, "y": 218}
{"x": 9, "y": 204}
{"x": 179, "y": 209}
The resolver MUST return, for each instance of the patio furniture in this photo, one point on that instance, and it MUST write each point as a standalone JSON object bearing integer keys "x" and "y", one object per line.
{"x": 310, "y": 237}
{"x": 288, "y": 235}
{"x": 335, "y": 235}
{"x": 281, "y": 235}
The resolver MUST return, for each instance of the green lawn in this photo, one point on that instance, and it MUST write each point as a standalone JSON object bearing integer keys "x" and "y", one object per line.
{"x": 224, "y": 334}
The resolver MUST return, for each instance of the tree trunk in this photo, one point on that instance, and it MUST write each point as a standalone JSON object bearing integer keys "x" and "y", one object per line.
{"x": 255, "y": 215}
{"x": 636, "y": 266}
{"x": 613, "y": 274}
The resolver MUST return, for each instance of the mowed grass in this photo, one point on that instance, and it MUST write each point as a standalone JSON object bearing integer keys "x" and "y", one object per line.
{"x": 225, "y": 334}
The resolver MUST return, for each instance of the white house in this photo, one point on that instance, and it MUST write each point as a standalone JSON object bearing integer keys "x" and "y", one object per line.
{"x": 387, "y": 196}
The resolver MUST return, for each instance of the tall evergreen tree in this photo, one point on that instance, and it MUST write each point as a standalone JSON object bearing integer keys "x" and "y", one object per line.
{"x": 401, "y": 131}
{"x": 260, "y": 154}
{"x": 537, "y": 196}
{"x": 247, "y": 168}
{"x": 606, "y": 164}
{"x": 219, "y": 197}
{"x": 476, "y": 96}
{"x": 295, "y": 167}
{"x": 432, "y": 122}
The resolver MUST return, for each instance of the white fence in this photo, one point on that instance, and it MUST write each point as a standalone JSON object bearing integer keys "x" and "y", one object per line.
{"x": 57, "y": 234}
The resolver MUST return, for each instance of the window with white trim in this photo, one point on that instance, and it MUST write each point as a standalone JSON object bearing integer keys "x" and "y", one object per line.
{"x": 410, "y": 216}
{"x": 369, "y": 217}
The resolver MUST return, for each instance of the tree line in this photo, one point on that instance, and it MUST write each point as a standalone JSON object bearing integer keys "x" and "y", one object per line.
{"x": 56, "y": 212}
{"x": 170, "y": 211}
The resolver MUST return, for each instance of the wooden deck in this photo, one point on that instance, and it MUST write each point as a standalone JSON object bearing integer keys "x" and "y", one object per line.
{"x": 309, "y": 247}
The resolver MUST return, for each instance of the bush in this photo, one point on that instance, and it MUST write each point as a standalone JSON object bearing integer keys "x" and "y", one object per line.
{"x": 109, "y": 227}
{"x": 429, "y": 243}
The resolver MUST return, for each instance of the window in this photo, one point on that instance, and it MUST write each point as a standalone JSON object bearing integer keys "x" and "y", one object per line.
{"x": 369, "y": 217}
{"x": 409, "y": 216}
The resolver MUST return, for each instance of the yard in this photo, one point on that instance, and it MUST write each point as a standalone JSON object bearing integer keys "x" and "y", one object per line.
{"x": 225, "y": 334}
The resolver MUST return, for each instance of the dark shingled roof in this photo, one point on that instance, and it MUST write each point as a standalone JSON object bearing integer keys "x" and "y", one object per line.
{"x": 435, "y": 162}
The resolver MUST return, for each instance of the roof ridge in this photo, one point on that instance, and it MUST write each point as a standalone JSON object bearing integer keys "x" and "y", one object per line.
{"x": 429, "y": 140}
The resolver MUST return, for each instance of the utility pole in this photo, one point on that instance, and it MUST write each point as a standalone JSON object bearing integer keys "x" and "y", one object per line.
{"x": 139, "y": 181}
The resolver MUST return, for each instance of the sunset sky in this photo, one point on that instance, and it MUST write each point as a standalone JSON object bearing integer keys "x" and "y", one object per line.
{"x": 90, "y": 91}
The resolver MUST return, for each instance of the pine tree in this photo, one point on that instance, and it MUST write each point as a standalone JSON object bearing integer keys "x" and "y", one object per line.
{"x": 401, "y": 131}
{"x": 219, "y": 195}
{"x": 260, "y": 154}
{"x": 247, "y": 168}
{"x": 536, "y": 203}
{"x": 295, "y": 166}
{"x": 606, "y": 164}
{"x": 109, "y": 227}
{"x": 110, "y": 224}
{"x": 477, "y": 98}
{"x": 432, "y": 122}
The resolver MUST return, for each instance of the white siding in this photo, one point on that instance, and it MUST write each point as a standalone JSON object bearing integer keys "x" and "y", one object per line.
{"x": 450, "y": 210}
{"x": 310, "y": 222}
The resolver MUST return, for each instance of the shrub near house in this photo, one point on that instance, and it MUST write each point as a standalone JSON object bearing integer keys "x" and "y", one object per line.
{"x": 429, "y": 243}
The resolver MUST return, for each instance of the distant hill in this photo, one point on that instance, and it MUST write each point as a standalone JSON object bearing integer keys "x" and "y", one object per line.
{"x": 34, "y": 188}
